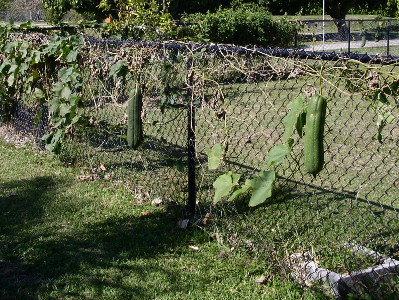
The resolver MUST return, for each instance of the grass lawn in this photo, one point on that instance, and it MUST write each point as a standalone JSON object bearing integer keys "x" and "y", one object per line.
{"x": 64, "y": 238}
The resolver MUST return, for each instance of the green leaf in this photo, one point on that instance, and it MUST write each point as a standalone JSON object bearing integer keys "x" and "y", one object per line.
{"x": 199, "y": 53}
{"x": 38, "y": 117}
{"x": 119, "y": 68}
{"x": 300, "y": 124}
{"x": 47, "y": 138}
{"x": 382, "y": 98}
{"x": 291, "y": 119}
{"x": 10, "y": 47}
{"x": 36, "y": 57}
{"x": 64, "y": 110}
{"x": 384, "y": 115}
{"x": 11, "y": 79}
{"x": 54, "y": 141}
{"x": 278, "y": 153}
{"x": 5, "y": 67}
{"x": 54, "y": 105}
{"x": 75, "y": 119}
{"x": 58, "y": 122}
{"x": 38, "y": 94}
{"x": 243, "y": 189}
{"x": 23, "y": 49}
{"x": 383, "y": 109}
{"x": 57, "y": 88}
{"x": 214, "y": 156}
{"x": 262, "y": 187}
{"x": 64, "y": 74}
{"x": 72, "y": 55}
{"x": 224, "y": 184}
{"x": 65, "y": 92}
{"x": 13, "y": 68}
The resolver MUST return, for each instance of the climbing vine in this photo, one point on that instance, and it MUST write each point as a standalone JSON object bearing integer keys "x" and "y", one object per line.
{"x": 38, "y": 72}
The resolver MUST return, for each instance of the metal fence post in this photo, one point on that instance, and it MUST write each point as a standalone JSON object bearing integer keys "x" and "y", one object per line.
{"x": 388, "y": 32}
{"x": 191, "y": 149}
{"x": 349, "y": 36}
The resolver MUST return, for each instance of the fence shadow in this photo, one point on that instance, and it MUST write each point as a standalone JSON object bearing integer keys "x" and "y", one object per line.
{"x": 76, "y": 252}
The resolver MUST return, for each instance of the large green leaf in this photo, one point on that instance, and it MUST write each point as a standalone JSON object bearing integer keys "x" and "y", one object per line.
{"x": 36, "y": 57}
{"x": 278, "y": 153}
{"x": 57, "y": 88}
{"x": 10, "y": 47}
{"x": 11, "y": 79}
{"x": 72, "y": 55}
{"x": 243, "y": 189}
{"x": 38, "y": 117}
{"x": 384, "y": 115}
{"x": 224, "y": 184}
{"x": 291, "y": 119}
{"x": 54, "y": 141}
{"x": 23, "y": 49}
{"x": 119, "y": 68}
{"x": 64, "y": 74}
{"x": 300, "y": 124}
{"x": 64, "y": 109}
{"x": 54, "y": 105}
{"x": 262, "y": 187}
{"x": 38, "y": 94}
{"x": 215, "y": 156}
{"x": 66, "y": 92}
{"x": 5, "y": 67}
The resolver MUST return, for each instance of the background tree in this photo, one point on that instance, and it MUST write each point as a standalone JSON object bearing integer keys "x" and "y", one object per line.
{"x": 338, "y": 9}
{"x": 100, "y": 9}
{"x": 56, "y": 9}
{"x": 25, "y": 5}
{"x": 140, "y": 19}
{"x": 179, "y": 7}
{"x": 4, "y": 4}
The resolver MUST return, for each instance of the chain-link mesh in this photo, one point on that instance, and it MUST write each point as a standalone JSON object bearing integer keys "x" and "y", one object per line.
{"x": 352, "y": 203}
{"x": 370, "y": 36}
{"x": 340, "y": 227}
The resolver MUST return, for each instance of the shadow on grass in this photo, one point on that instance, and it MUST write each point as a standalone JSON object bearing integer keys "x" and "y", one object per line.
{"x": 35, "y": 254}
{"x": 21, "y": 201}
{"x": 312, "y": 217}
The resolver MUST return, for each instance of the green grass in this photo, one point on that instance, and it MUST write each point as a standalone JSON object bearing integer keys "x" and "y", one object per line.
{"x": 62, "y": 238}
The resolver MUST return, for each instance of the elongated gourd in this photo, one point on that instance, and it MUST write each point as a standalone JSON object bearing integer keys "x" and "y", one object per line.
{"x": 314, "y": 134}
{"x": 134, "y": 122}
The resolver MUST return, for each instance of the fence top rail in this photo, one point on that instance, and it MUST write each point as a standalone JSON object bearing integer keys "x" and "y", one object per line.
{"x": 276, "y": 52}
{"x": 242, "y": 50}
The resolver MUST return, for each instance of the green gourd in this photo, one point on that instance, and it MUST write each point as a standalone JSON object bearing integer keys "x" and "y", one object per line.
{"x": 134, "y": 122}
{"x": 314, "y": 134}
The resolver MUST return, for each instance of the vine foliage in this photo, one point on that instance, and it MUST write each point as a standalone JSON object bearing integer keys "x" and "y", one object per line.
{"x": 42, "y": 73}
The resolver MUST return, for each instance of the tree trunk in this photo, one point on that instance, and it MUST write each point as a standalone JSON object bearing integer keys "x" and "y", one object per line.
{"x": 338, "y": 9}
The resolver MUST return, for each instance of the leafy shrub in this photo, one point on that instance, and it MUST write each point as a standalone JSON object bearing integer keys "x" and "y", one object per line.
{"x": 243, "y": 25}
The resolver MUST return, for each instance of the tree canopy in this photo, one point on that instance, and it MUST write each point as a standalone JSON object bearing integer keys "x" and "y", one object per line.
{"x": 56, "y": 9}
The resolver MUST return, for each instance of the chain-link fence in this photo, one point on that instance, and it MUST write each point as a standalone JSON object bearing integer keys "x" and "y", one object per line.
{"x": 338, "y": 229}
{"x": 372, "y": 36}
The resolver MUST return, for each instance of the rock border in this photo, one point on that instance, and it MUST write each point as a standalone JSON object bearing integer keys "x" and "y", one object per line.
{"x": 307, "y": 271}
